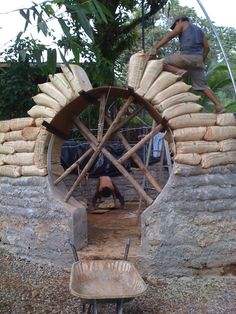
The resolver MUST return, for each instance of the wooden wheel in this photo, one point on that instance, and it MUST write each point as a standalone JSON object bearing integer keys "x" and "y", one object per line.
{"x": 130, "y": 104}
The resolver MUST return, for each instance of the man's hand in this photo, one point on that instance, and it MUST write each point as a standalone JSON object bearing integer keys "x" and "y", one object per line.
{"x": 151, "y": 53}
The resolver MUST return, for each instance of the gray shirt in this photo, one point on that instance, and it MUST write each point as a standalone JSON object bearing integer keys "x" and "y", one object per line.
{"x": 191, "y": 40}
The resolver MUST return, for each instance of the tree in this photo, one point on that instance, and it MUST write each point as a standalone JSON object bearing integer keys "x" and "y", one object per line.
{"x": 97, "y": 32}
{"x": 102, "y": 35}
{"x": 19, "y": 79}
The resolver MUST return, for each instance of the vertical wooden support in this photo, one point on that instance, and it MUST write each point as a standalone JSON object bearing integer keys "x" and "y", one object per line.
{"x": 101, "y": 117}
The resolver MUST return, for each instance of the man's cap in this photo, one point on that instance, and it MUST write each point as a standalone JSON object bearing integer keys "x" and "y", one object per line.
{"x": 182, "y": 18}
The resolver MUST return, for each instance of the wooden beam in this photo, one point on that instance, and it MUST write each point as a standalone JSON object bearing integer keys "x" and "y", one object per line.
{"x": 101, "y": 117}
{"x": 137, "y": 159}
{"x": 73, "y": 166}
{"x": 128, "y": 119}
{"x": 94, "y": 144}
{"x": 100, "y": 146}
{"x": 128, "y": 154}
{"x": 116, "y": 121}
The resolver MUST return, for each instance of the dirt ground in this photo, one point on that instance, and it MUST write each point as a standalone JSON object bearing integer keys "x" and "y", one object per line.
{"x": 109, "y": 231}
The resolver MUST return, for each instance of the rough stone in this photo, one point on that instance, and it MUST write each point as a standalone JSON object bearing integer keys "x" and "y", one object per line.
{"x": 36, "y": 222}
{"x": 190, "y": 227}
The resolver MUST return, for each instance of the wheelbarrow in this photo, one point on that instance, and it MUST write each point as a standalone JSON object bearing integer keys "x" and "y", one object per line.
{"x": 105, "y": 281}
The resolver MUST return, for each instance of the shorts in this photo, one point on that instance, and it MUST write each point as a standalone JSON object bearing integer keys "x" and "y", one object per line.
{"x": 193, "y": 64}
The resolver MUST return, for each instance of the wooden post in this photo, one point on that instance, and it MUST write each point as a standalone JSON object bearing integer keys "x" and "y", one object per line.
{"x": 101, "y": 117}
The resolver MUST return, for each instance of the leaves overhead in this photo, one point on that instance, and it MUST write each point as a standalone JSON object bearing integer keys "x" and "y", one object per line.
{"x": 93, "y": 30}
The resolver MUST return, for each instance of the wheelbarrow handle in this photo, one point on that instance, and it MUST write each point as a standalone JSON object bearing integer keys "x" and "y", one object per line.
{"x": 127, "y": 246}
{"x": 76, "y": 257}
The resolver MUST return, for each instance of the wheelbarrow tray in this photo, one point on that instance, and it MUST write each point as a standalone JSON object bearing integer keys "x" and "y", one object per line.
{"x": 105, "y": 280}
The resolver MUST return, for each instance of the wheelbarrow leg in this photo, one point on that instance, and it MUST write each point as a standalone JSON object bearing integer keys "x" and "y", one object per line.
{"x": 95, "y": 307}
{"x": 119, "y": 306}
{"x": 84, "y": 308}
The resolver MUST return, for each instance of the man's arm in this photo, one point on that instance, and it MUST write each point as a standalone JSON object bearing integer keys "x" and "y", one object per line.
{"x": 118, "y": 195}
{"x": 206, "y": 48}
{"x": 94, "y": 200}
{"x": 175, "y": 32}
{"x": 114, "y": 198}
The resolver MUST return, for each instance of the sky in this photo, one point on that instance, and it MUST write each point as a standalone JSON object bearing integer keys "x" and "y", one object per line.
{"x": 11, "y": 23}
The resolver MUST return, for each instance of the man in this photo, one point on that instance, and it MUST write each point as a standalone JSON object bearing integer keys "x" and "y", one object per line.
{"x": 194, "y": 49}
{"x": 107, "y": 188}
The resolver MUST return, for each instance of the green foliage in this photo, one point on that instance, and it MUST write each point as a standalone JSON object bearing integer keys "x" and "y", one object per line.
{"x": 102, "y": 35}
{"x": 96, "y": 32}
{"x": 19, "y": 79}
{"x": 220, "y": 82}
{"x": 17, "y": 85}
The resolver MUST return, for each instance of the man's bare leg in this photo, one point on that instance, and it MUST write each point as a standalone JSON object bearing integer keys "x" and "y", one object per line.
{"x": 210, "y": 94}
{"x": 207, "y": 91}
{"x": 174, "y": 69}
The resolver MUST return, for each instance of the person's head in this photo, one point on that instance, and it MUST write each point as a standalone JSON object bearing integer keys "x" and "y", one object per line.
{"x": 106, "y": 192}
{"x": 180, "y": 19}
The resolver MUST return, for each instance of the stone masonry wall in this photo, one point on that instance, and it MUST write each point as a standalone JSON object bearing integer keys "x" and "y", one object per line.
{"x": 35, "y": 223}
{"x": 190, "y": 229}
{"x": 87, "y": 187}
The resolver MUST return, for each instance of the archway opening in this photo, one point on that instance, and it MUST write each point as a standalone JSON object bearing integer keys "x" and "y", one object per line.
{"x": 136, "y": 172}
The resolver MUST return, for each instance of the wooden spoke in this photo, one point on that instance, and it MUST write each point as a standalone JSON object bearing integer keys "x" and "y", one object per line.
{"x": 73, "y": 166}
{"x": 133, "y": 104}
{"x": 100, "y": 145}
{"x": 101, "y": 117}
{"x": 137, "y": 159}
{"x": 94, "y": 144}
{"x": 127, "y": 119}
{"x": 114, "y": 124}
{"x": 127, "y": 155}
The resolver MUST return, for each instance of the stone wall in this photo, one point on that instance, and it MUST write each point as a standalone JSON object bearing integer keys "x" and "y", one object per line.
{"x": 35, "y": 222}
{"x": 190, "y": 229}
{"x": 87, "y": 188}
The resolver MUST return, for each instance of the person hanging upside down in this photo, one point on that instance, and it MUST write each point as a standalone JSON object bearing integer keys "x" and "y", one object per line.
{"x": 106, "y": 188}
